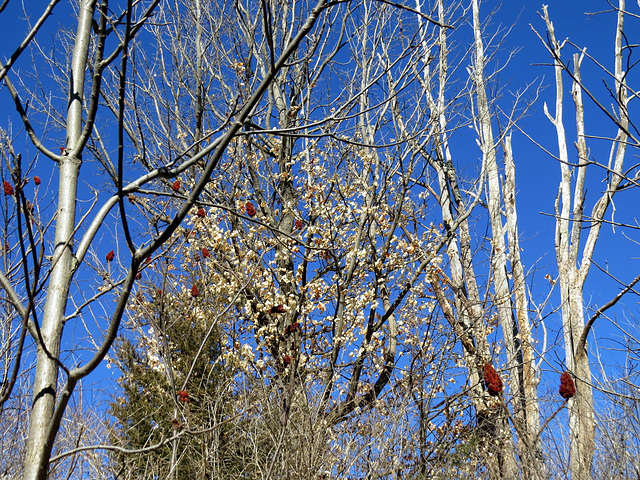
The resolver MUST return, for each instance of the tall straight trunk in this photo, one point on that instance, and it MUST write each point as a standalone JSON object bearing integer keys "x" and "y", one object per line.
{"x": 570, "y": 225}
{"x": 567, "y": 244}
{"x": 502, "y": 294}
{"x": 41, "y": 432}
{"x": 531, "y": 448}
{"x": 516, "y": 334}
{"x": 581, "y": 408}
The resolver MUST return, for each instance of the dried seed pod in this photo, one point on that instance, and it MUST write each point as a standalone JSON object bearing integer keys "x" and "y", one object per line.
{"x": 291, "y": 328}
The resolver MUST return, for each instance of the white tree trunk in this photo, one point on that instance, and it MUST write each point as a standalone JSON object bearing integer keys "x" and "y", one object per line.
{"x": 41, "y": 433}
{"x": 569, "y": 210}
{"x": 513, "y": 337}
{"x": 531, "y": 448}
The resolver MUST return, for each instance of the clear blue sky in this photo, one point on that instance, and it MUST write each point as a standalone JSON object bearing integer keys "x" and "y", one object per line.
{"x": 537, "y": 173}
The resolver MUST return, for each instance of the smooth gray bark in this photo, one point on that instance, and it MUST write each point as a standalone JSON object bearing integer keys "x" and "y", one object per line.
{"x": 41, "y": 436}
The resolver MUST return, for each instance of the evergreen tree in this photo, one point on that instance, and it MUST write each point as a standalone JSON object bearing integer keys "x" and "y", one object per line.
{"x": 174, "y": 384}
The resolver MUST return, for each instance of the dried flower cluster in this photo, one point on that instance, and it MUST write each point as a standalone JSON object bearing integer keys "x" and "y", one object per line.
{"x": 291, "y": 328}
{"x": 8, "y": 188}
{"x": 110, "y": 256}
{"x": 492, "y": 380}
{"x": 567, "y": 387}
{"x": 251, "y": 210}
{"x": 183, "y": 396}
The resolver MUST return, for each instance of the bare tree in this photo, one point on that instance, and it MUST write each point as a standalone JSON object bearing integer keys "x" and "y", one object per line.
{"x": 279, "y": 187}
{"x": 303, "y": 226}
{"x": 105, "y": 33}
{"x": 575, "y": 255}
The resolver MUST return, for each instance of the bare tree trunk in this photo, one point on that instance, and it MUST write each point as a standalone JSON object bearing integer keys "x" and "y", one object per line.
{"x": 569, "y": 210}
{"x": 567, "y": 246}
{"x": 502, "y": 291}
{"x": 41, "y": 433}
{"x": 531, "y": 448}
{"x": 582, "y": 428}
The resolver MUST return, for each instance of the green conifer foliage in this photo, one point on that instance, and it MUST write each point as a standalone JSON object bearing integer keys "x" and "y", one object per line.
{"x": 173, "y": 385}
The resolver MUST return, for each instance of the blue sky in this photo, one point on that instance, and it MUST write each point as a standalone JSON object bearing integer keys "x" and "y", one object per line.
{"x": 537, "y": 173}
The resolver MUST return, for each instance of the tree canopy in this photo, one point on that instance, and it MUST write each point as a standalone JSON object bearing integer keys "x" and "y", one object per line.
{"x": 291, "y": 229}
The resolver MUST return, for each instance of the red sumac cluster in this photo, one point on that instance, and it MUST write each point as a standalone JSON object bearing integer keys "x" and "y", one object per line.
{"x": 183, "y": 396}
{"x": 277, "y": 309}
{"x": 567, "y": 387}
{"x": 291, "y": 328}
{"x": 492, "y": 380}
